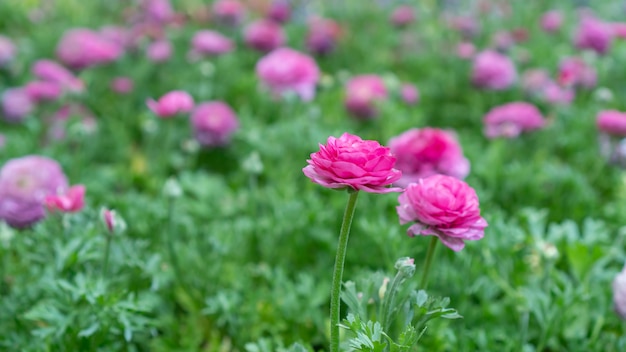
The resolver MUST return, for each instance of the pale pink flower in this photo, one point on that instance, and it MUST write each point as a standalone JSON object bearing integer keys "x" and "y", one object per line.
{"x": 556, "y": 94}
{"x": 353, "y": 163}
{"x": 619, "y": 29}
{"x": 286, "y": 70}
{"x": 492, "y": 70}
{"x": 512, "y": 119}
{"x": 279, "y": 11}
{"x": 71, "y": 201}
{"x": 594, "y": 34}
{"x": 39, "y": 91}
{"x": 402, "y": 16}
{"x": 551, "y": 21}
{"x": 502, "y": 40}
{"x": 612, "y": 122}
{"x": 171, "y": 104}
{"x": 409, "y": 93}
{"x": 81, "y": 48}
{"x": 51, "y": 71}
{"x": 322, "y": 36}
{"x": 7, "y": 50}
{"x": 363, "y": 93}
{"x": 229, "y": 12}
{"x": 122, "y": 85}
{"x": 213, "y": 123}
{"x": 264, "y": 35}
{"x": 535, "y": 80}
{"x": 442, "y": 206}
{"x": 208, "y": 42}
{"x": 16, "y": 104}
{"x": 58, "y": 121}
{"x": 465, "y": 50}
{"x": 118, "y": 35}
{"x": 574, "y": 71}
{"x": 428, "y": 151}
{"x": 159, "y": 51}
{"x": 619, "y": 294}
{"x": 467, "y": 26}
{"x": 158, "y": 10}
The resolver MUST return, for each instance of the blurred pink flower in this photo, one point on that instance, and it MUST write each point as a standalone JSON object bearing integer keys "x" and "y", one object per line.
{"x": 593, "y": 34}
{"x": 213, "y": 123}
{"x": 264, "y": 35}
{"x": 158, "y": 10}
{"x": 574, "y": 71}
{"x": 492, "y": 70}
{"x": 110, "y": 219}
{"x": 208, "y": 42}
{"x": 122, "y": 85}
{"x": 534, "y": 80}
{"x": 402, "y": 16}
{"x": 322, "y": 36}
{"x": 556, "y": 94}
{"x": 510, "y": 120}
{"x": 502, "y": 40}
{"x": 81, "y": 48}
{"x": 409, "y": 93}
{"x": 428, "y": 151}
{"x": 159, "y": 51}
{"x": 58, "y": 122}
{"x": 118, "y": 35}
{"x": 551, "y": 21}
{"x": 16, "y": 104}
{"x": 619, "y": 294}
{"x": 39, "y": 91}
{"x": 7, "y": 50}
{"x": 171, "y": 104}
{"x": 465, "y": 50}
{"x": 279, "y": 11}
{"x": 363, "y": 93}
{"x": 71, "y": 201}
{"x": 350, "y": 162}
{"x": 467, "y": 26}
{"x": 442, "y": 206}
{"x": 51, "y": 71}
{"x": 286, "y": 70}
{"x": 619, "y": 30}
{"x": 612, "y": 122}
{"x": 24, "y": 184}
{"x": 229, "y": 12}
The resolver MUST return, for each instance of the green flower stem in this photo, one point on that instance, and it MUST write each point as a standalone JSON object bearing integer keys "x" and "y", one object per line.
{"x": 429, "y": 259}
{"x": 389, "y": 298}
{"x": 338, "y": 271}
{"x": 169, "y": 240}
{"x": 107, "y": 253}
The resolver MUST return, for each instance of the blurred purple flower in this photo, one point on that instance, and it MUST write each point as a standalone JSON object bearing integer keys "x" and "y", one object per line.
{"x": 551, "y": 21}
{"x": 230, "y": 12}
{"x": 51, "y": 71}
{"x": 286, "y": 70}
{"x": 80, "y": 48}
{"x": 593, "y": 34}
{"x": 171, "y": 104}
{"x": 512, "y": 119}
{"x": 208, "y": 42}
{"x": 409, "y": 93}
{"x": 39, "y": 91}
{"x": 264, "y": 35}
{"x": 213, "y": 123}
{"x": 279, "y": 11}
{"x": 402, "y": 16}
{"x": 16, "y": 104}
{"x": 7, "y": 50}
{"x": 159, "y": 51}
{"x": 492, "y": 70}
{"x": 322, "y": 36}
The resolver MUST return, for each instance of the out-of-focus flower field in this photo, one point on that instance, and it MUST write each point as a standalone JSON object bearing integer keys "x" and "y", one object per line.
{"x": 153, "y": 197}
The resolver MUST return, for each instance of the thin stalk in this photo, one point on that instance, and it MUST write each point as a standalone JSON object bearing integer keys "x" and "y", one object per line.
{"x": 429, "y": 259}
{"x": 169, "y": 239}
{"x": 107, "y": 253}
{"x": 338, "y": 271}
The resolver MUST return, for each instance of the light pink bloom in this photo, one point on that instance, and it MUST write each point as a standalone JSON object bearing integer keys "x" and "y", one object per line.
{"x": 264, "y": 35}
{"x": 110, "y": 220}
{"x": 42, "y": 90}
{"x": 58, "y": 122}
{"x": 612, "y": 122}
{"x": 286, "y": 70}
{"x": 72, "y": 201}
{"x": 492, "y": 70}
{"x": 535, "y": 80}
{"x": 510, "y": 120}
{"x": 208, "y": 42}
{"x": 551, "y": 21}
{"x": 118, "y": 35}
{"x": 402, "y": 16}
{"x": 322, "y": 36}
{"x": 229, "y": 12}
{"x": 51, "y": 71}
{"x": 409, "y": 93}
{"x": 465, "y": 50}
{"x": 158, "y": 10}
{"x": 213, "y": 123}
{"x": 81, "y": 48}
{"x": 556, "y": 94}
{"x": 350, "y": 162}
{"x": 16, "y": 104}
{"x": 594, "y": 34}
{"x": 619, "y": 29}
{"x": 363, "y": 93}
{"x": 159, "y": 51}
{"x": 428, "y": 151}
{"x": 442, "y": 206}
{"x": 574, "y": 71}
{"x": 171, "y": 104}
{"x": 122, "y": 85}
{"x": 7, "y": 50}
{"x": 502, "y": 40}
{"x": 467, "y": 26}
{"x": 619, "y": 294}
{"x": 279, "y": 11}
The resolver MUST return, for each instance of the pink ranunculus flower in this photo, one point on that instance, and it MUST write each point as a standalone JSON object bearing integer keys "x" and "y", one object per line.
{"x": 119, "y": 35}
{"x": 51, "y": 71}
{"x": 122, "y": 85}
{"x": 322, "y": 36}
{"x": 466, "y": 25}
{"x": 594, "y": 34}
{"x": 510, "y": 120}
{"x": 230, "y": 12}
{"x": 7, "y": 50}
{"x": 619, "y": 30}
{"x": 16, "y": 104}
{"x": 442, "y": 206}
{"x": 409, "y": 93}
{"x": 465, "y": 50}
{"x": 353, "y": 163}
{"x": 428, "y": 151}
{"x": 363, "y": 93}
{"x": 279, "y": 11}
{"x": 72, "y": 201}
{"x": 402, "y": 16}
{"x": 171, "y": 104}
{"x": 81, "y": 48}
{"x": 575, "y": 71}
{"x": 59, "y": 121}
{"x": 264, "y": 35}
{"x": 612, "y": 122}
{"x": 554, "y": 93}
{"x": 159, "y": 51}
{"x": 207, "y": 42}
{"x": 39, "y": 91}
{"x": 213, "y": 123}
{"x": 286, "y": 70}
{"x": 534, "y": 80}
{"x": 160, "y": 11}
{"x": 619, "y": 294}
{"x": 492, "y": 70}
{"x": 24, "y": 184}
{"x": 551, "y": 21}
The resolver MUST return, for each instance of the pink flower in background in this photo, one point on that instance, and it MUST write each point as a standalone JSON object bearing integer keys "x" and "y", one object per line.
{"x": 51, "y": 71}
{"x": 593, "y": 34}
{"x": 494, "y": 71}
{"x": 556, "y": 94}
{"x": 535, "y": 80}
{"x": 39, "y": 91}
{"x": 350, "y": 162}
{"x": 442, "y": 206}
{"x": 551, "y": 21}
{"x": 402, "y": 16}
{"x": 213, "y": 123}
{"x": 322, "y": 36}
{"x": 510, "y": 120}
{"x": 72, "y": 201}
{"x": 208, "y": 42}
{"x": 7, "y": 50}
{"x": 16, "y": 104}
{"x": 279, "y": 11}
{"x": 159, "y": 51}
{"x": 619, "y": 29}
{"x": 502, "y": 40}
{"x": 409, "y": 93}
{"x": 158, "y": 10}
{"x": 229, "y": 12}
{"x": 58, "y": 122}
{"x": 363, "y": 93}
{"x": 81, "y": 48}
{"x": 612, "y": 122}
{"x": 264, "y": 35}
{"x": 171, "y": 104}
{"x": 24, "y": 184}
{"x": 122, "y": 85}
{"x": 467, "y": 26}
{"x": 286, "y": 70}
{"x": 428, "y": 151}
{"x": 118, "y": 35}
{"x": 465, "y": 50}
{"x": 574, "y": 71}
{"x": 619, "y": 294}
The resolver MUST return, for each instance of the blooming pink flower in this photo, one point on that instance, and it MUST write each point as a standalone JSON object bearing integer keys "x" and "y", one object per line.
{"x": 229, "y": 12}
{"x": 409, "y": 93}
{"x": 428, "y": 151}
{"x": 612, "y": 122}
{"x": 24, "y": 184}
{"x": 556, "y": 94}
{"x": 492, "y": 70}
{"x": 510, "y": 120}
{"x": 159, "y": 51}
{"x": 619, "y": 294}
{"x": 213, "y": 123}
{"x": 535, "y": 80}
{"x": 363, "y": 93}
{"x": 48, "y": 70}
{"x": 81, "y": 48}
{"x": 122, "y": 85}
{"x": 208, "y": 42}
{"x": 442, "y": 206}
{"x": 73, "y": 200}
{"x": 322, "y": 36}
{"x": 465, "y": 50}
{"x": 16, "y": 104}
{"x": 118, "y": 35}
{"x": 574, "y": 71}
{"x": 551, "y": 21}
{"x": 594, "y": 34}
{"x": 171, "y": 104}
{"x": 7, "y": 50}
{"x": 264, "y": 35}
{"x": 286, "y": 70}
{"x": 350, "y": 162}
{"x": 402, "y": 16}
{"x": 39, "y": 91}
{"x": 279, "y": 11}
{"x": 160, "y": 11}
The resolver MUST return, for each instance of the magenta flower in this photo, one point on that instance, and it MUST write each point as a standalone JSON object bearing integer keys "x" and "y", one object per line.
{"x": 39, "y": 91}
{"x": 24, "y": 184}
{"x": 171, "y": 104}
{"x": 556, "y": 94}
{"x": 594, "y": 34}
{"x": 409, "y": 93}
{"x": 60, "y": 119}
{"x": 619, "y": 29}
{"x": 159, "y": 51}
{"x": 363, "y": 93}
{"x": 72, "y": 201}
{"x": 322, "y": 36}
{"x": 534, "y": 80}
{"x": 122, "y": 85}
{"x": 16, "y": 104}
{"x": 551, "y": 21}
{"x": 442, "y": 206}
{"x": 492, "y": 70}
{"x": 465, "y": 50}
{"x": 7, "y": 50}
{"x": 264, "y": 35}
{"x": 230, "y": 12}
{"x": 510, "y": 120}
{"x": 81, "y": 48}
{"x": 612, "y": 122}
{"x": 619, "y": 294}
{"x": 50, "y": 71}
{"x": 574, "y": 71}
{"x": 159, "y": 11}
{"x": 279, "y": 11}
{"x": 208, "y": 42}
{"x": 286, "y": 70}
{"x": 402, "y": 16}
{"x": 350, "y": 162}
{"x": 213, "y": 123}
{"x": 428, "y": 151}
